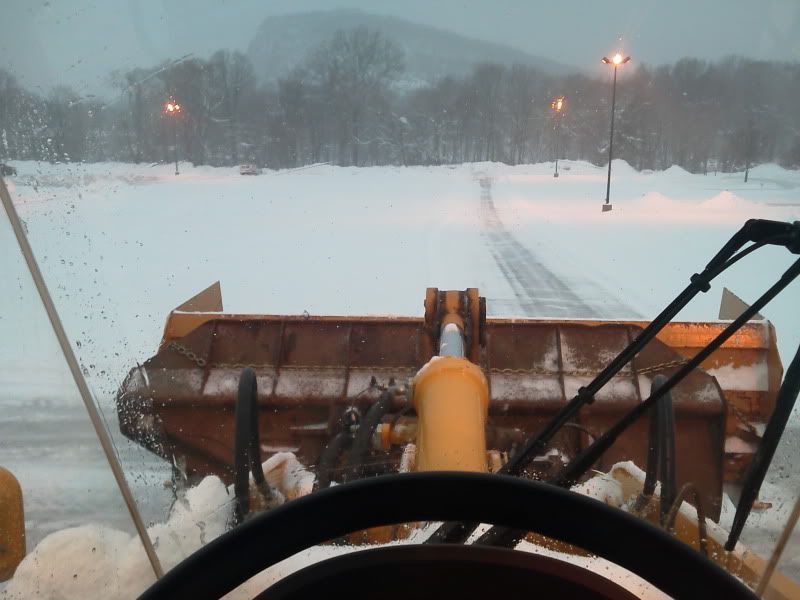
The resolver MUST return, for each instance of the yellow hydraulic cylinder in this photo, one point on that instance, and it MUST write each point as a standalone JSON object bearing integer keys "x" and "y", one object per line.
{"x": 12, "y": 525}
{"x": 451, "y": 397}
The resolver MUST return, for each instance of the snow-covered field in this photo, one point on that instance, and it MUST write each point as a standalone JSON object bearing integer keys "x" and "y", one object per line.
{"x": 121, "y": 245}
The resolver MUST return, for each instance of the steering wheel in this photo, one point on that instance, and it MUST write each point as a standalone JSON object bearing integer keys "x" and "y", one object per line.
{"x": 630, "y": 542}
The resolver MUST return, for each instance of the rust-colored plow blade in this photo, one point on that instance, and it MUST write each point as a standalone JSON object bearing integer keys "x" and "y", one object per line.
{"x": 180, "y": 403}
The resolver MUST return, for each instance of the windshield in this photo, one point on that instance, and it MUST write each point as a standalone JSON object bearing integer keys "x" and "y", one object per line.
{"x": 242, "y": 244}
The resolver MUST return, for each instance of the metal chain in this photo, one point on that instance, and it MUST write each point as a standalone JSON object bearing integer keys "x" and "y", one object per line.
{"x": 183, "y": 351}
{"x": 662, "y": 366}
{"x": 253, "y": 366}
{"x": 508, "y": 371}
{"x": 201, "y": 362}
{"x": 651, "y": 369}
{"x": 743, "y": 419}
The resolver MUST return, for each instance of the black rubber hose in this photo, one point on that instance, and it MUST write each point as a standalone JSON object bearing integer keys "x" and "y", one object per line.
{"x": 582, "y": 429}
{"x": 653, "y": 447}
{"x": 655, "y": 443}
{"x": 329, "y": 459}
{"x": 672, "y": 513}
{"x": 666, "y": 440}
{"x": 361, "y": 441}
{"x": 247, "y": 445}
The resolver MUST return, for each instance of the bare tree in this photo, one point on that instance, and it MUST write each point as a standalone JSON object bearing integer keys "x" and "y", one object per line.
{"x": 353, "y": 69}
{"x": 344, "y": 105}
{"x": 520, "y": 99}
{"x": 230, "y": 78}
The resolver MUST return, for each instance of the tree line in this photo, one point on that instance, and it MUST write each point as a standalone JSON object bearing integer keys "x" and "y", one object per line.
{"x": 349, "y": 103}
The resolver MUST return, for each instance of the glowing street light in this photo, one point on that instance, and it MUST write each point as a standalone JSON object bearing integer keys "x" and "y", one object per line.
{"x": 616, "y": 61}
{"x": 558, "y": 105}
{"x": 173, "y": 109}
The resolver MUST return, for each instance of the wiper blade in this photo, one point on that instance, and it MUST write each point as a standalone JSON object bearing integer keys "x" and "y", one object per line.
{"x": 784, "y": 404}
{"x": 758, "y": 231}
{"x": 579, "y": 465}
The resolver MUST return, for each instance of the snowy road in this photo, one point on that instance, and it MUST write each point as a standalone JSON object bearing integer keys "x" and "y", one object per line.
{"x": 539, "y": 291}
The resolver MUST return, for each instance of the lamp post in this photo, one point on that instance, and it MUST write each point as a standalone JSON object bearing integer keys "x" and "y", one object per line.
{"x": 616, "y": 61}
{"x": 558, "y": 104}
{"x": 172, "y": 109}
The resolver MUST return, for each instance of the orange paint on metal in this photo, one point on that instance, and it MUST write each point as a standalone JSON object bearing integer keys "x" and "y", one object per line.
{"x": 744, "y": 564}
{"x": 451, "y": 396}
{"x": 453, "y": 318}
{"x": 312, "y": 366}
{"x": 386, "y": 436}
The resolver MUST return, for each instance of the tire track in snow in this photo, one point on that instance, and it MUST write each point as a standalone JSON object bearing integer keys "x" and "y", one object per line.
{"x": 538, "y": 290}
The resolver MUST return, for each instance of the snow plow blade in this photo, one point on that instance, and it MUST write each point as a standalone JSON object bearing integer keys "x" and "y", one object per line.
{"x": 180, "y": 403}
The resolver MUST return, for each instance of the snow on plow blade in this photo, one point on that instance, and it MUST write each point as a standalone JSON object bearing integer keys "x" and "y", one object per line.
{"x": 180, "y": 403}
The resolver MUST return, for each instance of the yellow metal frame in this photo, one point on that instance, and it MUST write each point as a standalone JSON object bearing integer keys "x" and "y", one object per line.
{"x": 12, "y": 525}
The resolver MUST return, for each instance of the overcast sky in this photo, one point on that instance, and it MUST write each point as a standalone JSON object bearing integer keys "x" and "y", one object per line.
{"x": 49, "y": 42}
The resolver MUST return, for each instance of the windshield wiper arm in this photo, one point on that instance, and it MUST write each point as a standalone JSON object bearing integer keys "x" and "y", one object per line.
{"x": 579, "y": 465}
{"x": 759, "y": 231}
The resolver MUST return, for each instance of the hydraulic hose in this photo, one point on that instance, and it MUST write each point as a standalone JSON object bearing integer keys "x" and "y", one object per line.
{"x": 337, "y": 446}
{"x": 660, "y": 453}
{"x": 361, "y": 441}
{"x": 247, "y": 446}
{"x": 329, "y": 459}
{"x": 671, "y": 515}
{"x": 666, "y": 439}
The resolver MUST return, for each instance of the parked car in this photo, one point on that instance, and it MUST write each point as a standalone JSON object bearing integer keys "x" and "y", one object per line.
{"x": 7, "y": 170}
{"x": 249, "y": 169}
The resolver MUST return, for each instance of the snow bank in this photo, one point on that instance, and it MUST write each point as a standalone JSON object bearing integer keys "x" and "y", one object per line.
{"x": 651, "y": 207}
{"x": 93, "y": 560}
{"x": 752, "y": 377}
{"x": 602, "y": 487}
{"x": 736, "y": 445}
{"x": 285, "y": 473}
{"x": 675, "y": 170}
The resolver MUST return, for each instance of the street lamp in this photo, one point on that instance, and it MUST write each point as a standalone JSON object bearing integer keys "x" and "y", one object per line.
{"x": 172, "y": 109}
{"x": 616, "y": 61}
{"x": 558, "y": 104}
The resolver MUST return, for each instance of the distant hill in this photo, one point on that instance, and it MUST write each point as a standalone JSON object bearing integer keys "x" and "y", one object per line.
{"x": 283, "y": 42}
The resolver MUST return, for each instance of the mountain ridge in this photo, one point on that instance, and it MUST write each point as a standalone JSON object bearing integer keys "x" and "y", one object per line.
{"x": 282, "y": 43}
